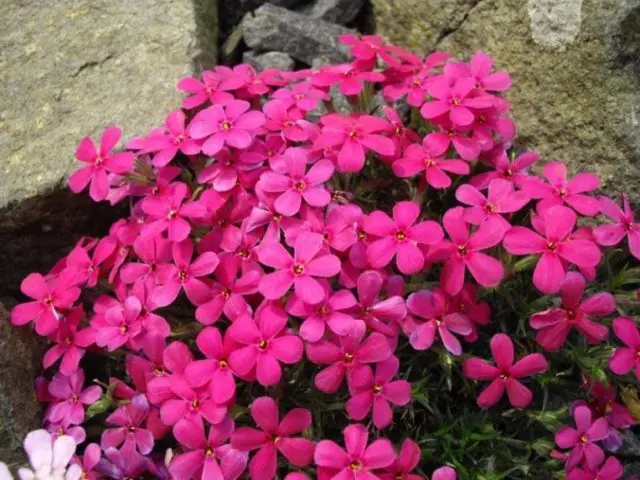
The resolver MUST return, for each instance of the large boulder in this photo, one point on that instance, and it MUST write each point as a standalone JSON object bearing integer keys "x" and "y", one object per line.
{"x": 70, "y": 68}
{"x": 575, "y": 94}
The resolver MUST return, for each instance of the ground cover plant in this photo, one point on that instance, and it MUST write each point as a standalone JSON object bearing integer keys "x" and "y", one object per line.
{"x": 349, "y": 272}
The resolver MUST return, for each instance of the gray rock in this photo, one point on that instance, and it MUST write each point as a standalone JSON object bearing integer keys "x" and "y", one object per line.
{"x": 273, "y": 28}
{"x": 279, "y": 60}
{"x": 623, "y": 41}
{"x": 20, "y": 410}
{"x": 336, "y": 11}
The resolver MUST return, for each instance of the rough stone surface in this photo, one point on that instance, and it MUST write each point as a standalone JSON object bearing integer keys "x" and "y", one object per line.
{"x": 19, "y": 408}
{"x": 70, "y": 68}
{"x": 574, "y": 96}
{"x": 279, "y": 60}
{"x": 336, "y": 11}
{"x": 273, "y": 28}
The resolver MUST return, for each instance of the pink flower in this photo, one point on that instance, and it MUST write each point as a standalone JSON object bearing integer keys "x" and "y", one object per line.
{"x": 444, "y": 473}
{"x": 227, "y": 294}
{"x": 214, "y": 87}
{"x": 348, "y": 355}
{"x": 265, "y": 344}
{"x": 99, "y": 163}
{"x": 479, "y": 68}
{"x": 190, "y": 404}
{"x": 500, "y": 200}
{"x": 400, "y": 237}
{"x": 175, "y": 359}
{"x": 350, "y": 79}
{"x": 582, "y": 440}
{"x": 556, "y": 245}
{"x": 129, "y": 419}
{"x": 354, "y": 136}
{"x": 274, "y": 436}
{"x": 186, "y": 275}
{"x": 467, "y": 148}
{"x": 71, "y": 344}
{"x": 378, "y": 314}
{"x": 171, "y": 212}
{"x": 307, "y": 262}
{"x": 51, "y": 296}
{"x": 119, "y": 324}
{"x": 515, "y": 172}
{"x": 429, "y": 158}
{"x": 88, "y": 462}
{"x": 330, "y": 312}
{"x": 377, "y": 392}
{"x": 624, "y": 225}
{"x": 207, "y": 457}
{"x": 70, "y": 398}
{"x": 432, "y": 307}
{"x": 304, "y": 95}
{"x": 465, "y": 252}
{"x": 624, "y": 359}
{"x": 554, "y": 324}
{"x": 286, "y": 119}
{"x": 610, "y": 469}
{"x": 215, "y": 370}
{"x": 155, "y": 253}
{"x": 505, "y": 375}
{"x": 123, "y": 463}
{"x": 177, "y": 139}
{"x": 360, "y": 460}
{"x": 228, "y": 165}
{"x": 231, "y": 124}
{"x": 407, "y": 460}
{"x": 88, "y": 268}
{"x": 296, "y": 184}
{"x": 559, "y": 190}
{"x": 455, "y": 99}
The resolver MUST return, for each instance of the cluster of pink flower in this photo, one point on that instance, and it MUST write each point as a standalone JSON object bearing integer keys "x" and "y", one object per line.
{"x": 235, "y": 202}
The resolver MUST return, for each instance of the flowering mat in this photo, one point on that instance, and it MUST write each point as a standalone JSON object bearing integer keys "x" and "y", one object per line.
{"x": 383, "y": 291}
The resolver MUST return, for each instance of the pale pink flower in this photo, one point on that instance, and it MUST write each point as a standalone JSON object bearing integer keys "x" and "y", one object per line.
{"x": 555, "y": 324}
{"x": 49, "y": 458}
{"x": 505, "y": 374}
{"x": 100, "y": 163}
{"x": 400, "y": 237}
{"x": 274, "y": 436}
{"x": 557, "y": 245}
{"x": 264, "y": 344}
{"x": 297, "y": 184}
{"x": 232, "y": 124}
{"x": 298, "y": 271}
{"x": 360, "y": 459}
{"x": 375, "y": 392}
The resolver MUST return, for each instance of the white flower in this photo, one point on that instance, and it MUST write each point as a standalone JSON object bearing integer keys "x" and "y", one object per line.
{"x": 48, "y": 459}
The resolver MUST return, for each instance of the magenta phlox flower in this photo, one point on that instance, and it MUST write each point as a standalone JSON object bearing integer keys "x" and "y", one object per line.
{"x": 406, "y": 462}
{"x": 71, "y": 343}
{"x": 176, "y": 139}
{"x": 627, "y": 358}
{"x": 582, "y": 439}
{"x": 624, "y": 225}
{"x": 70, "y": 398}
{"x": 128, "y": 420}
{"x": 515, "y": 171}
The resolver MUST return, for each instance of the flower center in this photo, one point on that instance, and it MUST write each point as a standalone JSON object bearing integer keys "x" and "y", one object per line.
{"x": 244, "y": 253}
{"x": 437, "y": 321}
{"x": 401, "y": 236}
{"x": 455, "y": 101}
{"x": 608, "y": 408}
{"x": 355, "y": 466}
{"x": 325, "y": 237}
{"x": 508, "y": 173}
{"x": 277, "y": 217}
{"x": 353, "y": 134}
{"x": 490, "y": 207}
{"x": 462, "y": 250}
{"x": 322, "y": 311}
{"x": 572, "y": 315}
{"x": 262, "y": 345}
{"x": 399, "y": 476}
{"x": 638, "y": 354}
{"x": 74, "y": 398}
{"x": 298, "y": 269}
{"x": 299, "y": 185}
{"x": 584, "y": 439}
{"x": 348, "y": 358}
{"x": 562, "y": 192}
{"x": 124, "y": 329}
{"x": 429, "y": 162}
{"x": 99, "y": 160}
{"x": 158, "y": 371}
{"x": 503, "y": 376}
{"x": 182, "y": 275}
{"x": 551, "y": 246}
{"x": 377, "y": 389}
{"x": 48, "y": 301}
{"x": 208, "y": 452}
{"x": 226, "y": 293}
{"x": 361, "y": 235}
{"x": 132, "y": 429}
{"x": 226, "y": 125}
{"x": 68, "y": 340}
{"x": 223, "y": 363}
{"x": 195, "y": 403}
{"x": 287, "y": 124}
{"x": 172, "y": 214}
